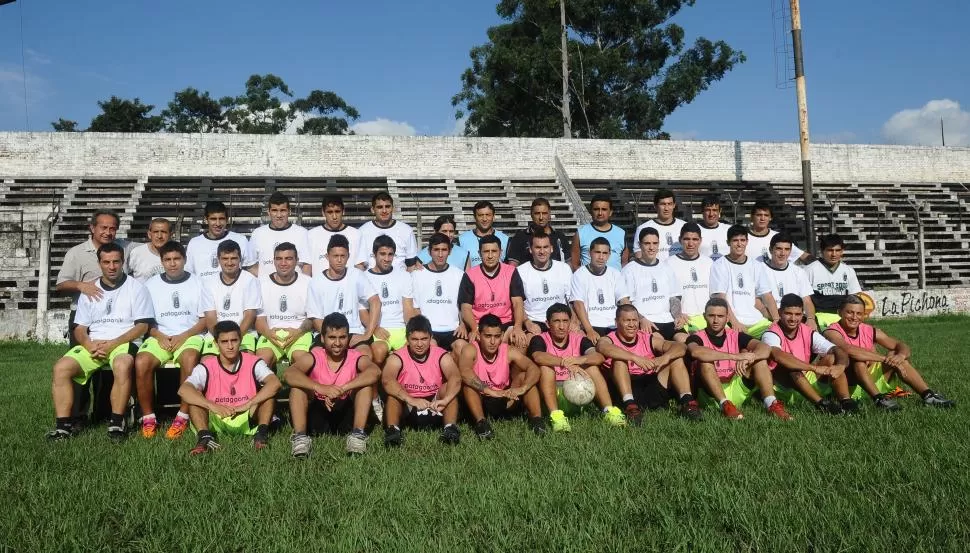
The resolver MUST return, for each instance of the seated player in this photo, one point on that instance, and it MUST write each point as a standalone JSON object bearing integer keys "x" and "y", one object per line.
{"x": 283, "y": 325}
{"x": 202, "y": 253}
{"x": 784, "y": 277}
{"x": 493, "y": 287}
{"x": 422, "y": 384}
{"x": 105, "y": 330}
{"x": 230, "y": 393}
{"x": 436, "y": 291}
{"x": 596, "y": 290}
{"x": 665, "y": 223}
{"x": 395, "y": 292}
{"x": 654, "y": 289}
{"x": 872, "y": 372}
{"x": 176, "y": 335}
{"x": 793, "y": 344}
{"x": 330, "y": 390}
{"x": 231, "y": 295}
{"x": 740, "y": 280}
{"x": 560, "y": 353}
{"x": 498, "y": 380}
{"x": 831, "y": 280}
{"x": 458, "y": 256}
{"x": 645, "y": 367}
{"x": 545, "y": 281}
{"x": 692, "y": 270}
{"x": 730, "y": 364}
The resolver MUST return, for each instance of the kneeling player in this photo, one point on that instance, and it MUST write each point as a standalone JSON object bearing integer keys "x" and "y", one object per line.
{"x": 731, "y": 364}
{"x": 422, "y": 384}
{"x": 871, "y": 370}
{"x": 645, "y": 366}
{"x": 332, "y": 388}
{"x": 230, "y": 393}
{"x": 497, "y": 378}
{"x": 561, "y": 354}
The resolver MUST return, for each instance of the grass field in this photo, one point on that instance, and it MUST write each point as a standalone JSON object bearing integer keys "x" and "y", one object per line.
{"x": 878, "y": 482}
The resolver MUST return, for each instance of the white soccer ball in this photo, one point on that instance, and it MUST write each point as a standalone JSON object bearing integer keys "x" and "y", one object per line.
{"x": 578, "y": 389}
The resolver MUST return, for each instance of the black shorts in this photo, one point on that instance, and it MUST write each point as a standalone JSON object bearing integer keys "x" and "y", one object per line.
{"x": 542, "y": 326}
{"x": 339, "y": 420}
{"x": 444, "y": 339}
{"x": 667, "y": 330}
{"x": 421, "y": 419}
{"x": 497, "y": 408}
{"x": 602, "y": 330}
{"x": 648, "y": 392}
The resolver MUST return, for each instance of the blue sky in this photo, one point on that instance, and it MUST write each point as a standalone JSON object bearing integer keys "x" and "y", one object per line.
{"x": 878, "y": 71}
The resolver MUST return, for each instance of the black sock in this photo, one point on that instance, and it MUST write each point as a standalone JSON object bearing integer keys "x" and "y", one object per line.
{"x": 205, "y": 435}
{"x": 926, "y": 393}
{"x": 629, "y": 402}
{"x": 63, "y": 423}
{"x": 877, "y": 397}
{"x": 685, "y": 399}
{"x": 262, "y": 429}
{"x": 117, "y": 420}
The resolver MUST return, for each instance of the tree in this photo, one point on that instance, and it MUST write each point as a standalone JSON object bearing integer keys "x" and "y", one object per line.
{"x": 260, "y": 110}
{"x": 64, "y": 125}
{"x": 629, "y": 69}
{"x": 325, "y": 104}
{"x": 119, "y": 115}
{"x": 191, "y": 111}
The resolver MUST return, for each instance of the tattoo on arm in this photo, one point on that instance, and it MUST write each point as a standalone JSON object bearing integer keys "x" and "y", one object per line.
{"x": 675, "y": 308}
{"x": 477, "y": 384}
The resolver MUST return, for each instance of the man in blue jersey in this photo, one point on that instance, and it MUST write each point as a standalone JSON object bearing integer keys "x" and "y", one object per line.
{"x": 601, "y": 208}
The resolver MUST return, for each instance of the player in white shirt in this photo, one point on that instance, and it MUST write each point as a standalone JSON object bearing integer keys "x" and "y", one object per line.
{"x": 545, "y": 282}
{"x": 382, "y": 206}
{"x": 144, "y": 260}
{"x": 176, "y": 335}
{"x": 283, "y": 324}
{"x": 759, "y": 235}
{"x": 231, "y": 295}
{"x": 713, "y": 231}
{"x": 831, "y": 280}
{"x": 693, "y": 273}
{"x": 395, "y": 291}
{"x": 654, "y": 289}
{"x": 667, "y": 226}
{"x": 202, "y": 256}
{"x": 786, "y": 278}
{"x": 436, "y": 296}
{"x": 740, "y": 280}
{"x": 264, "y": 239}
{"x": 596, "y": 290}
{"x": 484, "y": 213}
{"x": 106, "y": 329}
{"x": 333, "y": 223}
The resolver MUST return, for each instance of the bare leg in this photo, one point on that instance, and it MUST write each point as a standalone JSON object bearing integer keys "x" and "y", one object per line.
{"x": 187, "y": 361}
{"x": 912, "y": 378}
{"x": 145, "y": 366}
{"x": 268, "y": 357}
{"x": 121, "y": 389}
{"x": 299, "y": 403}
{"x": 761, "y": 374}
{"x": 451, "y": 412}
{"x": 675, "y": 375}
{"x": 473, "y": 401}
{"x": 602, "y": 392}
{"x": 362, "y": 399}
{"x": 861, "y": 371}
{"x": 711, "y": 382}
{"x": 393, "y": 409}
{"x": 621, "y": 377}
{"x": 379, "y": 352}
{"x": 547, "y": 387}
{"x": 264, "y": 413}
{"x": 62, "y": 388}
{"x": 199, "y": 417}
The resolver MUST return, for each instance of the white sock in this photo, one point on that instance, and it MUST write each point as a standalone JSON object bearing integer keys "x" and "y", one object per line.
{"x": 149, "y": 416}
{"x": 722, "y": 402}
{"x": 182, "y": 415}
{"x": 768, "y": 401}
{"x": 607, "y": 408}
{"x": 627, "y": 397}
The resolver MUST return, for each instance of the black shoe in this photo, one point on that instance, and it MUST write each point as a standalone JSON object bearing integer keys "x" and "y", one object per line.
{"x": 828, "y": 406}
{"x": 275, "y": 424}
{"x": 59, "y": 434}
{"x": 450, "y": 434}
{"x": 849, "y": 406}
{"x": 393, "y": 436}
{"x": 691, "y": 411}
{"x": 935, "y": 399}
{"x": 483, "y": 430}
{"x": 633, "y": 413}
{"x": 886, "y": 404}
{"x": 538, "y": 426}
{"x": 116, "y": 433}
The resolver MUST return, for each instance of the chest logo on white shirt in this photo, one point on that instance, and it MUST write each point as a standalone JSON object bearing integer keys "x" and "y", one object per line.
{"x": 600, "y": 297}
{"x": 283, "y": 304}
{"x": 437, "y": 288}
{"x": 781, "y": 289}
{"x": 175, "y": 300}
{"x": 845, "y": 277}
{"x": 545, "y": 286}
{"x": 713, "y": 251}
{"x": 740, "y": 280}
{"x": 107, "y": 310}
{"x": 226, "y": 302}
{"x": 670, "y": 239}
{"x": 384, "y": 293}
{"x": 653, "y": 285}
{"x": 340, "y": 301}
{"x": 693, "y": 271}
{"x": 214, "y": 261}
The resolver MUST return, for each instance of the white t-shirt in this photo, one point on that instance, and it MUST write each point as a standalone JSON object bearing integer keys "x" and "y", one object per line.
{"x": 829, "y": 286}
{"x": 694, "y": 278}
{"x": 116, "y": 312}
{"x": 143, "y": 263}
{"x": 264, "y": 240}
{"x": 600, "y": 294}
{"x": 741, "y": 283}
{"x": 319, "y": 238}
{"x": 406, "y": 246}
{"x": 348, "y": 296}
{"x": 177, "y": 304}
{"x": 200, "y": 376}
{"x": 231, "y": 301}
{"x": 714, "y": 242}
{"x": 820, "y": 346}
{"x": 392, "y": 287}
{"x": 436, "y": 295}
{"x": 284, "y": 306}
{"x": 544, "y": 287}
{"x": 790, "y": 280}
{"x": 760, "y": 246}
{"x": 669, "y": 237}
{"x": 202, "y": 257}
{"x": 650, "y": 288}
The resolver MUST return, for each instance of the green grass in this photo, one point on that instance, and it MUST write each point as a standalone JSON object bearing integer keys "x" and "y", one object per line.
{"x": 879, "y": 482}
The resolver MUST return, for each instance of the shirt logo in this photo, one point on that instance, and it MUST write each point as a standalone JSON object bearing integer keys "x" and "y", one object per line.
{"x": 340, "y": 301}
{"x": 107, "y": 310}
{"x": 545, "y": 286}
{"x": 781, "y": 289}
{"x": 175, "y": 300}
{"x": 693, "y": 274}
{"x": 714, "y": 248}
{"x": 214, "y": 261}
{"x": 437, "y": 288}
{"x": 670, "y": 240}
{"x": 226, "y": 301}
{"x": 384, "y": 293}
{"x": 283, "y": 304}
{"x": 232, "y": 389}
{"x": 599, "y": 296}
{"x": 653, "y": 285}
{"x": 740, "y": 280}
{"x": 845, "y": 277}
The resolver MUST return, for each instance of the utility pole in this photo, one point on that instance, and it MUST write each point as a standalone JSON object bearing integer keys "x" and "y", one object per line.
{"x": 796, "y": 35}
{"x": 567, "y": 119}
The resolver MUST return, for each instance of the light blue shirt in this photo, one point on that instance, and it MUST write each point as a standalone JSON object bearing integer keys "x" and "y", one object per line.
{"x": 469, "y": 241}
{"x": 456, "y": 258}
{"x": 617, "y": 237}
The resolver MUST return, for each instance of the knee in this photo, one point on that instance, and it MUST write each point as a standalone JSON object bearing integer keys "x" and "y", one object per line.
{"x": 64, "y": 370}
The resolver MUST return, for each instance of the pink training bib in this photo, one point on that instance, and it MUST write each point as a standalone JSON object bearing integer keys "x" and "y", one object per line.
{"x": 494, "y": 374}
{"x": 571, "y": 349}
{"x": 800, "y": 346}
{"x": 227, "y": 388}
{"x": 865, "y": 337}
{"x": 724, "y": 367}
{"x": 421, "y": 379}
{"x": 322, "y": 374}
{"x": 492, "y": 295}
{"x": 641, "y": 346}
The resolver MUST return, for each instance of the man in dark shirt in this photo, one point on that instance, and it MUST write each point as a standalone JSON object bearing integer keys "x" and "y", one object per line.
{"x": 518, "y": 252}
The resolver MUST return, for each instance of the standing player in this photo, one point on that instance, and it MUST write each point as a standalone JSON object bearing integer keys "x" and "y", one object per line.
{"x": 645, "y": 367}
{"x": 333, "y": 224}
{"x": 230, "y": 393}
{"x": 785, "y": 278}
{"x": 693, "y": 273}
{"x": 436, "y": 291}
{"x": 145, "y": 261}
{"x": 283, "y": 324}
{"x": 760, "y": 234}
{"x": 498, "y": 380}
{"x": 871, "y": 371}
{"x": 231, "y": 295}
{"x": 484, "y": 218}
{"x": 106, "y": 328}
{"x": 382, "y": 206}
{"x": 739, "y": 279}
{"x": 560, "y": 353}
{"x": 459, "y": 256}
{"x": 395, "y": 291}
{"x": 176, "y": 334}
{"x": 596, "y": 290}
{"x": 279, "y": 230}
{"x": 518, "y": 252}
{"x": 714, "y": 242}
{"x": 493, "y": 287}
{"x": 330, "y": 390}
{"x": 667, "y": 226}
{"x": 601, "y": 208}
{"x": 544, "y": 282}
{"x": 422, "y": 384}
{"x": 202, "y": 255}
{"x": 654, "y": 289}
{"x": 831, "y": 280}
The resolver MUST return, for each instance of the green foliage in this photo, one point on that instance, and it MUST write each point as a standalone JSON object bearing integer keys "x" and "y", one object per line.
{"x": 120, "y": 115}
{"x": 260, "y": 109}
{"x": 325, "y": 104}
{"x": 629, "y": 68}
{"x": 64, "y": 125}
{"x": 192, "y": 111}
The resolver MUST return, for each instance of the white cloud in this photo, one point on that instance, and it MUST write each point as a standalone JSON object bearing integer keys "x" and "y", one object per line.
{"x": 384, "y": 127}
{"x": 37, "y": 57}
{"x": 922, "y": 125}
{"x": 12, "y": 88}
{"x": 459, "y": 128}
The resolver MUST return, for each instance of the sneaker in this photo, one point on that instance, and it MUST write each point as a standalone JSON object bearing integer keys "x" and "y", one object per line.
{"x": 484, "y": 430}
{"x": 849, "y": 406}
{"x": 260, "y": 441}
{"x": 633, "y": 413}
{"x": 935, "y": 399}
{"x": 450, "y": 435}
{"x": 116, "y": 433}
{"x": 730, "y": 411}
{"x": 538, "y": 426}
{"x": 179, "y": 426}
{"x": 691, "y": 411}
{"x": 149, "y": 427}
{"x": 357, "y": 442}
{"x": 300, "y": 445}
{"x": 826, "y": 405}
{"x": 777, "y": 409}
{"x": 393, "y": 436}
{"x": 59, "y": 434}
{"x": 886, "y": 404}
{"x": 559, "y": 421}
{"x": 378, "y": 406}
{"x": 204, "y": 445}
{"x": 614, "y": 417}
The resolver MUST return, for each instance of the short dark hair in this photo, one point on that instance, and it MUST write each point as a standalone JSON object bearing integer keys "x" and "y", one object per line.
{"x": 851, "y": 299}
{"x": 101, "y": 212}
{"x": 710, "y": 200}
{"x": 690, "y": 227}
{"x": 228, "y": 246}
{"x": 489, "y": 239}
{"x": 662, "y": 194}
{"x": 160, "y": 220}
{"x": 647, "y": 231}
{"x": 278, "y": 198}
{"x": 381, "y": 196}
{"x": 286, "y": 247}
{"x": 715, "y": 302}
{"x": 621, "y": 309}
{"x": 441, "y": 220}
{"x": 791, "y": 300}
{"x": 538, "y": 202}
{"x": 831, "y": 241}
{"x": 438, "y": 238}
{"x": 334, "y": 321}
{"x": 558, "y": 307}
{"x": 418, "y": 323}
{"x": 111, "y": 247}
{"x": 539, "y": 234}
{"x": 736, "y": 230}
{"x": 224, "y": 327}
{"x": 384, "y": 241}
{"x": 781, "y": 237}
{"x": 762, "y": 206}
{"x": 601, "y": 198}
{"x": 169, "y": 247}
{"x": 489, "y": 320}
{"x": 332, "y": 199}
{"x": 483, "y": 204}
{"x": 338, "y": 241}
{"x": 600, "y": 241}
{"x": 214, "y": 207}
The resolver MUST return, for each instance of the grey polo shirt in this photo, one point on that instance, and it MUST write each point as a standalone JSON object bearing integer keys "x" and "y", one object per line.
{"x": 80, "y": 263}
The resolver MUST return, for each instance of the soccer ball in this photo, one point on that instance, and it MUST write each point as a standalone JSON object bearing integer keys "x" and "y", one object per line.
{"x": 578, "y": 389}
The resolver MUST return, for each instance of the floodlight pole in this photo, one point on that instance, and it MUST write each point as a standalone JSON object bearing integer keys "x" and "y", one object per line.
{"x": 796, "y": 34}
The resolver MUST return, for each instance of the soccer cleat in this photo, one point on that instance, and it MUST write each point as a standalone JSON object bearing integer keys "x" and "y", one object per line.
{"x": 450, "y": 434}
{"x": 59, "y": 434}
{"x": 826, "y": 405}
{"x": 357, "y": 442}
{"x": 633, "y": 413}
{"x": 614, "y": 417}
{"x": 260, "y": 441}
{"x": 886, "y": 404}
{"x": 204, "y": 445}
{"x": 730, "y": 411}
{"x": 484, "y": 430}
{"x": 777, "y": 409}
{"x": 149, "y": 427}
{"x": 691, "y": 411}
{"x": 116, "y": 433}
{"x": 559, "y": 421}
{"x": 179, "y": 426}
{"x": 300, "y": 445}
{"x": 538, "y": 426}
{"x": 393, "y": 436}
{"x": 849, "y": 406}
{"x": 935, "y": 399}
{"x": 378, "y": 407}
